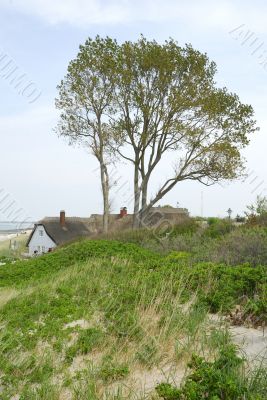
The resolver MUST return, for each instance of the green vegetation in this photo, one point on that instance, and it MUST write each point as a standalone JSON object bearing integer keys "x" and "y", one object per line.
{"x": 93, "y": 319}
{"x": 155, "y": 93}
{"x": 38, "y": 268}
{"x": 215, "y": 240}
{"x": 218, "y": 227}
{"x": 257, "y": 213}
{"x": 111, "y": 371}
{"x": 220, "y": 379}
{"x": 86, "y": 342}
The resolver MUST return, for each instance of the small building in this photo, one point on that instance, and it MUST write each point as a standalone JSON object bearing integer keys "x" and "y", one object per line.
{"x": 166, "y": 215}
{"x": 51, "y": 232}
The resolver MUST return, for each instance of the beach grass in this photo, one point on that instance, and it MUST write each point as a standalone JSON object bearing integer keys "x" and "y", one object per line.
{"x": 109, "y": 320}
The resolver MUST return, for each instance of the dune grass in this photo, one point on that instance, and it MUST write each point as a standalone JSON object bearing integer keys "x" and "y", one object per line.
{"x": 110, "y": 320}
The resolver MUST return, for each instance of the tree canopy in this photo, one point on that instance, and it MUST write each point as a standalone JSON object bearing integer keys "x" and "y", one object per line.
{"x": 154, "y": 99}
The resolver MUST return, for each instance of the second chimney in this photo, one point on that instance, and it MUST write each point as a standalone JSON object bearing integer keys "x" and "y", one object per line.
{"x": 62, "y": 218}
{"x": 123, "y": 212}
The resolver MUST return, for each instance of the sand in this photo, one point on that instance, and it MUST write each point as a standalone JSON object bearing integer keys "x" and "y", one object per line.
{"x": 7, "y": 237}
{"x": 252, "y": 342}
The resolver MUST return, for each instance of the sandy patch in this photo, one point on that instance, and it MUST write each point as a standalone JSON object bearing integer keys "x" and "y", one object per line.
{"x": 147, "y": 380}
{"x": 81, "y": 323}
{"x": 7, "y": 237}
{"x": 142, "y": 382}
{"x": 78, "y": 364}
{"x": 82, "y": 362}
{"x": 96, "y": 320}
{"x": 6, "y": 295}
{"x": 65, "y": 394}
{"x": 252, "y": 342}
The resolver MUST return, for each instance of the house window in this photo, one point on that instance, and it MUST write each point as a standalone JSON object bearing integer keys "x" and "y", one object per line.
{"x": 41, "y": 233}
{"x": 43, "y": 249}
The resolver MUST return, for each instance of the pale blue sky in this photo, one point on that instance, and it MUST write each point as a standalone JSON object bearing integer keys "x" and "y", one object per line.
{"x": 43, "y": 174}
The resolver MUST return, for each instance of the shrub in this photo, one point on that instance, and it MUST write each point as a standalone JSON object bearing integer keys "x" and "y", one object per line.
{"x": 257, "y": 213}
{"x": 168, "y": 392}
{"x": 218, "y": 227}
{"x": 221, "y": 287}
{"x": 175, "y": 256}
{"x": 213, "y": 220}
{"x": 23, "y": 272}
{"x": 238, "y": 247}
{"x": 210, "y": 380}
{"x": 186, "y": 227}
{"x": 257, "y": 220}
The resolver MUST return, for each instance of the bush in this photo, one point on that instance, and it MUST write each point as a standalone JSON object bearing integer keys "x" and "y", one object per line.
{"x": 175, "y": 256}
{"x": 218, "y": 227}
{"x": 221, "y": 288}
{"x": 168, "y": 392}
{"x": 257, "y": 213}
{"x": 257, "y": 220}
{"x": 23, "y": 272}
{"x": 238, "y": 247}
{"x": 211, "y": 380}
{"x": 189, "y": 226}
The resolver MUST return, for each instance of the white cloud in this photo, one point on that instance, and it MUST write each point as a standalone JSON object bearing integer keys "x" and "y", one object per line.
{"x": 83, "y": 12}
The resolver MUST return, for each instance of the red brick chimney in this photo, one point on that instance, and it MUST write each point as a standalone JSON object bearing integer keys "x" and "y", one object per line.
{"x": 123, "y": 212}
{"x": 62, "y": 218}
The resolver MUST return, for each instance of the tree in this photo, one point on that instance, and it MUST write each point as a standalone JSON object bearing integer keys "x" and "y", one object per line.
{"x": 167, "y": 101}
{"x": 85, "y": 99}
{"x": 257, "y": 213}
{"x": 144, "y": 100}
{"x": 259, "y": 208}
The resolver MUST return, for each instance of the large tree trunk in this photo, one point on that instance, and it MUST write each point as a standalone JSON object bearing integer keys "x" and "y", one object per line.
{"x": 136, "y": 198}
{"x": 143, "y": 210}
{"x": 105, "y": 193}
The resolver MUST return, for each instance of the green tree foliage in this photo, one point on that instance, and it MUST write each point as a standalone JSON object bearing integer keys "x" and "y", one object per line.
{"x": 156, "y": 99}
{"x": 169, "y": 102}
{"x": 85, "y": 98}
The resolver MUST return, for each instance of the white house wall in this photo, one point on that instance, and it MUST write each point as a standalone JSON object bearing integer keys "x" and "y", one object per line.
{"x": 40, "y": 241}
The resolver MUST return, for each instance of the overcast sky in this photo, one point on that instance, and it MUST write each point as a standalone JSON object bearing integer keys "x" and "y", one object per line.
{"x": 40, "y": 173}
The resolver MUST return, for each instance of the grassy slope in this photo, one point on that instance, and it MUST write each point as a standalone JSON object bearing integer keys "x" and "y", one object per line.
{"x": 97, "y": 319}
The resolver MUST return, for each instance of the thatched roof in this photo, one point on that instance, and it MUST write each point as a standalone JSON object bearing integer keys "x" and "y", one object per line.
{"x": 170, "y": 210}
{"x": 74, "y": 228}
